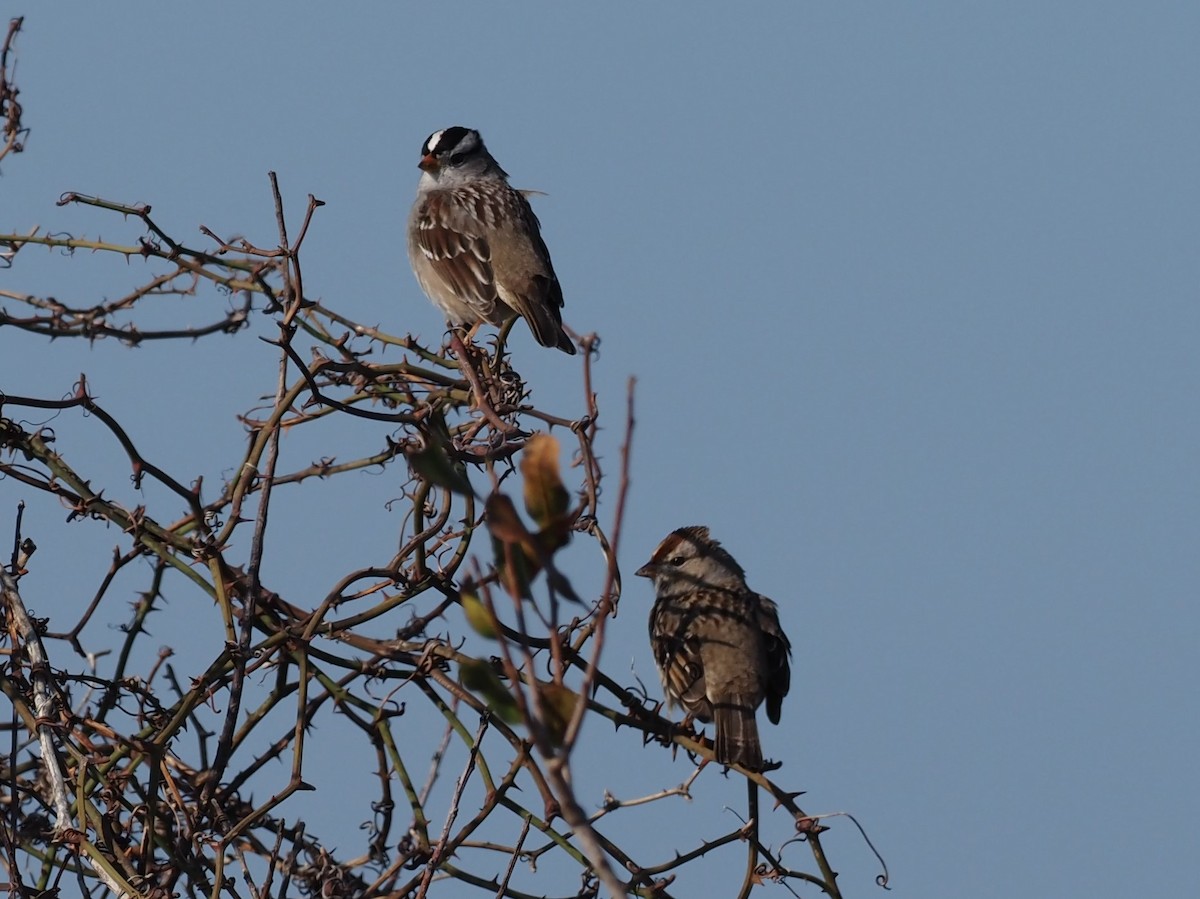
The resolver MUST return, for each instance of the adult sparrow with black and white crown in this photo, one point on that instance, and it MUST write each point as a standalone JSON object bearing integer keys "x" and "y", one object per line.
{"x": 475, "y": 244}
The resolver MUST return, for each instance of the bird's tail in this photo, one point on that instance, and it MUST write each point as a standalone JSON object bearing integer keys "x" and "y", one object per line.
{"x": 547, "y": 331}
{"x": 543, "y": 316}
{"x": 737, "y": 733}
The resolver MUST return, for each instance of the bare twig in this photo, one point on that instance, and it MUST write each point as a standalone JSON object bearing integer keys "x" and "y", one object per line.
{"x": 163, "y": 760}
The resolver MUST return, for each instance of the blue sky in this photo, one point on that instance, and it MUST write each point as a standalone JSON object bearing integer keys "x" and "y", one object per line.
{"x": 910, "y": 291}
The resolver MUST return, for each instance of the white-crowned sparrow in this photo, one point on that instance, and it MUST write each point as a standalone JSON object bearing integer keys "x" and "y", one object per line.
{"x": 718, "y": 645}
{"x": 476, "y": 246}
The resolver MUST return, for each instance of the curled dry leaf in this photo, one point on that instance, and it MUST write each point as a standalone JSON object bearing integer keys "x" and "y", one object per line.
{"x": 515, "y": 548}
{"x": 546, "y": 499}
{"x": 556, "y": 704}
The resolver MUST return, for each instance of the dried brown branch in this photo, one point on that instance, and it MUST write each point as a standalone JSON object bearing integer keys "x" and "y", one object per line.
{"x": 10, "y": 110}
{"x": 163, "y": 751}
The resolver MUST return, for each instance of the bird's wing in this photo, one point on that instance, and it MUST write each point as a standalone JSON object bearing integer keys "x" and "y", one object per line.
{"x": 677, "y": 653}
{"x": 525, "y": 277}
{"x": 779, "y": 650}
{"x": 456, "y": 245}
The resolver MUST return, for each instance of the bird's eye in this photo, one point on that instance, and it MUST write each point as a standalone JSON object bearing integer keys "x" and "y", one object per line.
{"x": 456, "y": 158}
{"x": 676, "y": 561}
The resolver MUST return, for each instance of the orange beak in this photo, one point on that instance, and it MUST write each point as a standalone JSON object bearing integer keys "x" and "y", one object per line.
{"x": 428, "y": 163}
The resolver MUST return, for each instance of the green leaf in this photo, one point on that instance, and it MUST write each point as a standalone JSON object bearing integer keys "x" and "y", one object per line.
{"x": 481, "y": 679}
{"x": 434, "y": 465}
{"x": 432, "y": 462}
{"x": 478, "y": 616}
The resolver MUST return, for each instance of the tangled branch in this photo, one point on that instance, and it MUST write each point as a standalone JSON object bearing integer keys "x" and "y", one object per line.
{"x": 138, "y": 775}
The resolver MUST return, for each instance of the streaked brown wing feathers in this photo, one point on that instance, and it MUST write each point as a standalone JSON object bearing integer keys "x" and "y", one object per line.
{"x": 457, "y": 251}
{"x": 677, "y": 653}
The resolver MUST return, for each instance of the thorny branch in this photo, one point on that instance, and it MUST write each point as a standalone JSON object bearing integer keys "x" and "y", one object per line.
{"x": 158, "y": 761}
{"x": 10, "y": 110}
